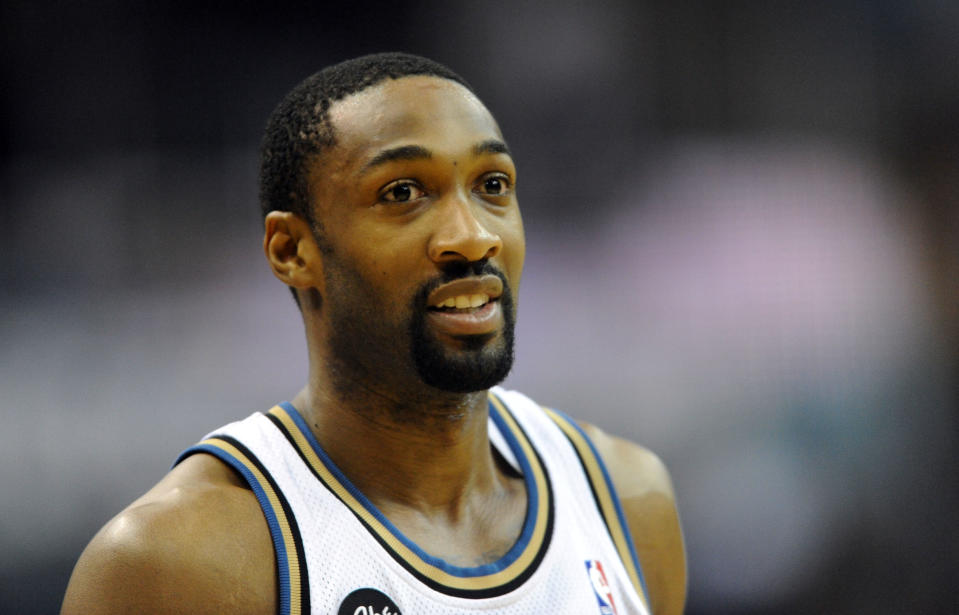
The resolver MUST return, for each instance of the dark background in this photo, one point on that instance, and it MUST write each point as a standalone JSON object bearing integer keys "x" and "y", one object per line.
{"x": 743, "y": 253}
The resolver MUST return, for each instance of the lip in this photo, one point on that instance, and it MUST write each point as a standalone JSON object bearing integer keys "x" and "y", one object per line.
{"x": 483, "y": 320}
{"x": 487, "y": 284}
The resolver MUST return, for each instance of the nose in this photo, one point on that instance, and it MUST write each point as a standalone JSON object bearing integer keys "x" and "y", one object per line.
{"x": 460, "y": 235}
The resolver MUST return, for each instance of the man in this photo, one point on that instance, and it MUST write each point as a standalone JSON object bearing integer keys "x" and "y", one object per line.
{"x": 396, "y": 481}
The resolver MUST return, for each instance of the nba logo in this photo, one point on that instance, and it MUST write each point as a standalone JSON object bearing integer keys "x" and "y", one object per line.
{"x": 604, "y": 594}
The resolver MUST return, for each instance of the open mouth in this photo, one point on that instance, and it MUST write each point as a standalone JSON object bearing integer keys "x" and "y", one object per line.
{"x": 467, "y": 307}
{"x": 462, "y": 303}
{"x": 466, "y": 294}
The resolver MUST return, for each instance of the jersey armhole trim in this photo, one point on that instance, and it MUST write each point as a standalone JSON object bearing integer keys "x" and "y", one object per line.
{"x": 607, "y": 501}
{"x": 294, "y": 587}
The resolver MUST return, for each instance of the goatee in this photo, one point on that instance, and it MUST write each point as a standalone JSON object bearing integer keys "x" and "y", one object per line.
{"x": 480, "y": 362}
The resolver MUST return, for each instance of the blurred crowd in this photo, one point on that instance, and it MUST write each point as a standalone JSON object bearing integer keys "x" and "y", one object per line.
{"x": 743, "y": 229}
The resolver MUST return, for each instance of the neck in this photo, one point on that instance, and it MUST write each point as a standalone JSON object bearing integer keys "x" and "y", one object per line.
{"x": 420, "y": 455}
{"x": 423, "y": 452}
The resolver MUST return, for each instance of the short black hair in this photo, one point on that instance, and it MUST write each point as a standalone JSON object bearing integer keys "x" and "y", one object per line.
{"x": 299, "y": 128}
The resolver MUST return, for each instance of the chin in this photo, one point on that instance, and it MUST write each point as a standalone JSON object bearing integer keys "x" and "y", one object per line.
{"x": 465, "y": 370}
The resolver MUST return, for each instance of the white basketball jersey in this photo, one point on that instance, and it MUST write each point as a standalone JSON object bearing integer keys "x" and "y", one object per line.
{"x": 337, "y": 554}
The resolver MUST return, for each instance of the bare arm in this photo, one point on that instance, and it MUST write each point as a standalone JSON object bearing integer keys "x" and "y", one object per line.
{"x": 196, "y": 543}
{"x": 649, "y": 504}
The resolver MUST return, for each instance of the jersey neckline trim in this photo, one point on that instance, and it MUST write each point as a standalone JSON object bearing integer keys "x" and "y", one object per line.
{"x": 493, "y": 579}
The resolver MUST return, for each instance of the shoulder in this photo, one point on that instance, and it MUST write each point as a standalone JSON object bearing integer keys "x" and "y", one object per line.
{"x": 197, "y": 542}
{"x": 635, "y": 470}
{"x": 646, "y": 493}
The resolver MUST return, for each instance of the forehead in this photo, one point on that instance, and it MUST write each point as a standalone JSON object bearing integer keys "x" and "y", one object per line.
{"x": 410, "y": 109}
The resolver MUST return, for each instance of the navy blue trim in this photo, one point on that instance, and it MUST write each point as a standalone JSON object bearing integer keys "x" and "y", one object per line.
{"x": 615, "y": 497}
{"x": 532, "y": 493}
{"x": 472, "y": 571}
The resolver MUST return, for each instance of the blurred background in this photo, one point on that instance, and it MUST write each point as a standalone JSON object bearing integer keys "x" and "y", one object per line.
{"x": 743, "y": 252}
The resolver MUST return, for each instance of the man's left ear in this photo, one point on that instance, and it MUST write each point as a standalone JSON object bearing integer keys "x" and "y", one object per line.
{"x": 292, "y": 251}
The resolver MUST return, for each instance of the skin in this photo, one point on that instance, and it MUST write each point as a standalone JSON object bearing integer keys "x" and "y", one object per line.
{"x": 391, "y": 223}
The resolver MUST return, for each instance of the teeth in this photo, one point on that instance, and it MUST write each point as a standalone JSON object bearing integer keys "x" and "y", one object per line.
{"x": 461, "y": 302}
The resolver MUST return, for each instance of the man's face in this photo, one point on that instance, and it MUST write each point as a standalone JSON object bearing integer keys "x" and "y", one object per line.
{"x": 422, "y": 237}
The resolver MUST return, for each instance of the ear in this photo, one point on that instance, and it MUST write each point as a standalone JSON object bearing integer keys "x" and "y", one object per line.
{"x": 291, "y": 250}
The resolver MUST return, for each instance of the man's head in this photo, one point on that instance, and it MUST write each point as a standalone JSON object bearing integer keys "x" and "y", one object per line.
{"x": 299, "y": 127}
{"x": 410, "y": 247}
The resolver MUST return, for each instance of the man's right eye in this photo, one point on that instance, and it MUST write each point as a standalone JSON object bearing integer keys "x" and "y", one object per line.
{"x": 401, "y": 191}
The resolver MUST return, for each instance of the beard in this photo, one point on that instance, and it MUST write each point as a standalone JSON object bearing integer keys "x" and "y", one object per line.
{"x": 480, "y": 362}
{"x": 368, "y": 347}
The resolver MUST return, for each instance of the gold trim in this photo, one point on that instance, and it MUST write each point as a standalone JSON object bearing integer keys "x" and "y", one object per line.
{"x": 483, "y": 582}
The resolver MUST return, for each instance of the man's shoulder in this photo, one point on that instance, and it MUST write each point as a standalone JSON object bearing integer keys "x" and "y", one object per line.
{"x": 646, "y": 493}
{"x": 197, "y": 542}
{"x": 634, "y": 469}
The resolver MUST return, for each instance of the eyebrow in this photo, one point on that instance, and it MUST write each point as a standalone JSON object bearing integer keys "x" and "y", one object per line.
{"x": 491, "y": 146}
{"x": 404, "y": 152}
{"x": 418, "y": 152}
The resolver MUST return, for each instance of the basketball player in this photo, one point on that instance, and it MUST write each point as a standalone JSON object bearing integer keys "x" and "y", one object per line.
{"x": 400, "y": 479}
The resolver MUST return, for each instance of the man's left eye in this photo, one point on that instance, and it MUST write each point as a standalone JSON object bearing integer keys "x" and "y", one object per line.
{"x": 401, "y": 191}
{"x": 495, "y": 185}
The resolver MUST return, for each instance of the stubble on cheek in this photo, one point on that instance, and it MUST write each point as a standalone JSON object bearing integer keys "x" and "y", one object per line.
{"x": 368, "y": 331}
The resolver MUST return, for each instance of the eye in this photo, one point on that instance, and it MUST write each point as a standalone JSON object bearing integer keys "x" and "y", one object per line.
{"x": 401, "y": 191}
{"x": 494, "y": 184}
